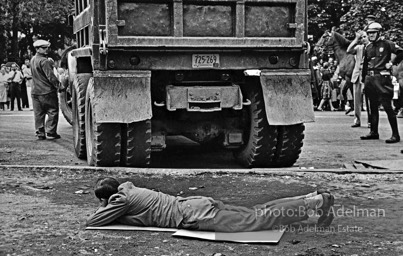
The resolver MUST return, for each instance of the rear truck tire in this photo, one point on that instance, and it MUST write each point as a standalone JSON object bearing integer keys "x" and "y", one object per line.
{"x": 260, "y": 137}
{"x": 79, "y": 90}
{"x": 136, "y": 144}
{"x": 268, "y": 145}
{"x": 103, "y": 140}
{"x": 289, "y": 143}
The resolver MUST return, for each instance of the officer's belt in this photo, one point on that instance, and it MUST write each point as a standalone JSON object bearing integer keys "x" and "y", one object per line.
{"x": 378, "y": 72}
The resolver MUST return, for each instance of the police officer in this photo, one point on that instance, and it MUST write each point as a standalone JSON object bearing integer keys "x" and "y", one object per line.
{"x": 44, "y": 92}
{"x": 378, "y": 85}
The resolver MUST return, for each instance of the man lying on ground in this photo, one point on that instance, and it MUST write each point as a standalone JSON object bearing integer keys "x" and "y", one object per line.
{"x": 130, "y": 205}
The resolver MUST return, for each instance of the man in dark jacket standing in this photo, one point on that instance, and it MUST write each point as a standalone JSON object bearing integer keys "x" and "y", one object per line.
{"x": 378, "y": 85}
{"x": 44, "y": 92}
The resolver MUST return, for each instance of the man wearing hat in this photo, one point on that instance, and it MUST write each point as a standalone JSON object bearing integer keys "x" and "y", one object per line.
{"x": 368, "y": 20}
{"x": 378, "y": 85}
{"x": 44, "y": 92}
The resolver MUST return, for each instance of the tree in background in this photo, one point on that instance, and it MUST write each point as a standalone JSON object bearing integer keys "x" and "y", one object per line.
{"x": 3, "y": 32}
{"x": 349, "y": 16}
{"x": 22, "y": 20}
{"x": 389, "y": 13}
{"x": 324, "y": 14}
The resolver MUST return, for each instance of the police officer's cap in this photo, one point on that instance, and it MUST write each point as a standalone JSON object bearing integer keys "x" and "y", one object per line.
{"x": 374, "y": 27}
{"x": 40, "y": 43}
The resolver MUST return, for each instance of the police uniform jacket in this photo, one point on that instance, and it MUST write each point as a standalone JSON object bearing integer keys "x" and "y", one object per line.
{"x": 379, "y": 53}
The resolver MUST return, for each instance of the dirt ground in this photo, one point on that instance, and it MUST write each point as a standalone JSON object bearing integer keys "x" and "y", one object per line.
{"x": 43, "y": 212}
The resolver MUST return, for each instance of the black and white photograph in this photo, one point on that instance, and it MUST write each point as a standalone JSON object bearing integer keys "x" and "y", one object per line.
{"x": 201, "y": 127}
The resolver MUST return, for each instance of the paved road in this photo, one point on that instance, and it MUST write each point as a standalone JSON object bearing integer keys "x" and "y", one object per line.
{"x": 329, "y": 142}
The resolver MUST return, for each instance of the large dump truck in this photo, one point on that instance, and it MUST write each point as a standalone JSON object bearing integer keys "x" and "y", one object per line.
{"x": 230, "y": 73}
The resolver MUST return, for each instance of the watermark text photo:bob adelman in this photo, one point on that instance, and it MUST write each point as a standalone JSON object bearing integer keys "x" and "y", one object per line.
{"x": 340, "y": 211}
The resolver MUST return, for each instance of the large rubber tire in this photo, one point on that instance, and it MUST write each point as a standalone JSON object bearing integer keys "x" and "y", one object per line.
{"x": 65, "y": 104}
{"x": 267, "y": 145}
{"x": 289, "y": 143}
{"x": 260, "y": 138}
{"x": 136, "y": 144}
{"x": 102, "y": 139}
{"x": 65, "y": 97}
{"x": 80, "y": 84}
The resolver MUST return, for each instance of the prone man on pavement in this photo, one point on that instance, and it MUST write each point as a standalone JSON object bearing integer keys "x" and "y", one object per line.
{"x": 377, "y": 77}
{"x": 130, "y": 205}
{"x": 44, "y": 92}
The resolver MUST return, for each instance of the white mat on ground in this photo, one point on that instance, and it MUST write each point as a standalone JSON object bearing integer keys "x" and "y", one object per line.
{"x": 383, "y": 164}
{"x": 265, "y": 236}
{"x": 133, "y": 228}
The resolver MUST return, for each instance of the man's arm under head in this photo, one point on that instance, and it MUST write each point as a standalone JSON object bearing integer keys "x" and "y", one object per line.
{"x": 116, "y": 207}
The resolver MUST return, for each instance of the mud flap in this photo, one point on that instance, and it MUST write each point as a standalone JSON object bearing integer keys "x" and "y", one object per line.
{"x": 122, "y": 97}
{"x": 287, "y": 97}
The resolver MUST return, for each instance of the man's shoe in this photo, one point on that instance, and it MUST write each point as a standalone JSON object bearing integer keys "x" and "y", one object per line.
{"x": 40, "y": 134}
{"x": 393, "y": 139}
{"x": 326, "y": 212}
{"x": 53, "y": 135}
{"x": 370, "y": 136}
{"x": 355, "y": 125}
{"x": 349, "y": 110}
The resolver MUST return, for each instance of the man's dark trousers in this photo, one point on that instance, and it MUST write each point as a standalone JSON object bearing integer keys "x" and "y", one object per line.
{"x": 15, "y": 93}
{"x": 379, "y": 90}
{"x": 43, "y": 105}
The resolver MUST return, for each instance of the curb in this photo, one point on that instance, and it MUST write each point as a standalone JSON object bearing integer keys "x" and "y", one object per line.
{"x": 179, "y": 172}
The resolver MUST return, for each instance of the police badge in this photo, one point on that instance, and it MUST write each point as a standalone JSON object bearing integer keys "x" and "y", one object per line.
{"x": 381, "y": 49}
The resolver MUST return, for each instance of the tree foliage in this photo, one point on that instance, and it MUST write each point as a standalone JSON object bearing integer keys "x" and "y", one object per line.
{"x": 324, "y": 14}
{"x": 349, "y": 16}
{"x": 389, "y": 13}
{"x": 21, "y": 20}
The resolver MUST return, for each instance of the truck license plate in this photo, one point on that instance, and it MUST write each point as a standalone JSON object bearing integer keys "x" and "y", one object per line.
{"x": 205, "y": 60}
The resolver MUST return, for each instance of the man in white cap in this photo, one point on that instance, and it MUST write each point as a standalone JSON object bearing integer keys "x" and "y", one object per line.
{"x": 378, "y": 85}
{"x": 44, "y": 92}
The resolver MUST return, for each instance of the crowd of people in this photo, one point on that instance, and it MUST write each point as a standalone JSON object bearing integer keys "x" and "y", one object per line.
{"x": 15, "y": 86}
{"x": 332, "y": 92}
{"x": 34, "y": 86}
{"x": 376, "y": 63}
{"x": 327, "y": 85}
